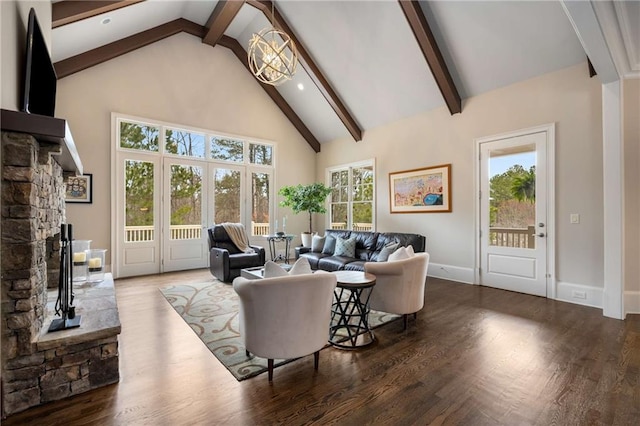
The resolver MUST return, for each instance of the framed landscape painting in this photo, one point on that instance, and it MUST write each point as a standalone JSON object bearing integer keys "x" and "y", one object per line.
{"x": 426, "y": 190}
{"x": 79, "y": 189}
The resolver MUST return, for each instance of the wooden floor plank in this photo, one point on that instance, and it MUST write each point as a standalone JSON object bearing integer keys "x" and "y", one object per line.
{"x": 474, "y": 356}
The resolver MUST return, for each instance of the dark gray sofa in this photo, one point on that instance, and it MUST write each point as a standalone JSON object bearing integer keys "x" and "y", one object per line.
{"x": 368, "y": 247}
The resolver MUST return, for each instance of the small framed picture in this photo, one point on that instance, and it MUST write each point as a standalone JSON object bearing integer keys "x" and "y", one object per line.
{"x": 79, "y": 189}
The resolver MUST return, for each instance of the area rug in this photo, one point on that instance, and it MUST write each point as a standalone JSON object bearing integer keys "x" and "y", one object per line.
{"x": 211, "y": 310}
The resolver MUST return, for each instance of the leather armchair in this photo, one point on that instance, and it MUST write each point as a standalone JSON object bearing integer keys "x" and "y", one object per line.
{"x": 225, "y": 260}
{"x": 399, "y": 285}
{"x": 285, "y": 317}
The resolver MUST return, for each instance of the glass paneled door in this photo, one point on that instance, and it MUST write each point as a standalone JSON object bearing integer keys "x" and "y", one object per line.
{"x": 137, "y": 216}
{"x": 513, "y": 215}
{"x": 184, "y": 236}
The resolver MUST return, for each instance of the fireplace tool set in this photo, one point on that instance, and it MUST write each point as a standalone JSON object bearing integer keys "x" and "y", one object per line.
{"x": 64, "y": 304}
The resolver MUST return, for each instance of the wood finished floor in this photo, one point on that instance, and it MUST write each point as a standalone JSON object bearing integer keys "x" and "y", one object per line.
{"x": 475, "y": 356}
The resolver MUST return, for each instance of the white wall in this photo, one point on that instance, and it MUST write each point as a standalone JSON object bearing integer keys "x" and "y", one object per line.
{"x": 13, "y": 30}
{"x": 177, "y": 80}
{"x": 631, "y": 138}
{"x": 567, "y": 97}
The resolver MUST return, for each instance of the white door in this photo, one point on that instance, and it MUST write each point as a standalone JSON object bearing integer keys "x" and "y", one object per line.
{"x": 513, "y": 212}
{"x": 138, "y": 180}
{"x": 184, "y": 203}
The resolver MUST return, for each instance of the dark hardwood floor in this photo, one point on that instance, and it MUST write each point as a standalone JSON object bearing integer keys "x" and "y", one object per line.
{"x": 475, "y": 356}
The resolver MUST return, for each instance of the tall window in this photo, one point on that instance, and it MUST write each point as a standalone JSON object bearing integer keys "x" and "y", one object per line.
{"x": 352, "y": 204}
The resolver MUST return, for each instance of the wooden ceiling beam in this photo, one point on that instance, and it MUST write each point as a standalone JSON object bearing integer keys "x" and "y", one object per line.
{"x": 102, "y": 54}
{"x": 241, "y": 54}
{"x": 109, "y": 51}
{"x": 432, "y": 54}
{"x": 220, "y": 19}
{"x": 313, "y": 70}
{"x": 66, "y": 12}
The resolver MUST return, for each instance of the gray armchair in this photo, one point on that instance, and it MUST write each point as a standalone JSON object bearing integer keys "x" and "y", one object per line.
{"x": 226, "y": 260}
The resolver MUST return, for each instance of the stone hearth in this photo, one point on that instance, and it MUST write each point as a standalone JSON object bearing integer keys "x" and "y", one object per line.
{"x": 37, "y": 366}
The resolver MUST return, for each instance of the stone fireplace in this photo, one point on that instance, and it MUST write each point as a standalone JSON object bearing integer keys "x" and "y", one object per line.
{"x": 38, "y": 367}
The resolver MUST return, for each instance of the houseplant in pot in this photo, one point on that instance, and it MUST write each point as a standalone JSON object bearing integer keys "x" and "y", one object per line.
{"x": 305, "y": 198}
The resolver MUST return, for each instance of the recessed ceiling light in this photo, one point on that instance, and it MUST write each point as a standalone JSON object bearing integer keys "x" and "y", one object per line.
{"x": 300, "y": 86}
{"x": 105, "y": 21}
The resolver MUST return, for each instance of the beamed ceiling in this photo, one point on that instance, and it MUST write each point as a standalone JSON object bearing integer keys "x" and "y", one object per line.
{"x": 363, "y": 63}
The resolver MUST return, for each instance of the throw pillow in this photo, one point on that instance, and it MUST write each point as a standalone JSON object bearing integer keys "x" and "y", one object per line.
{"x": 329, "y": 245}
{"x": 399, "y": 254}
{"x": 345, "y": 248}
{"x": 317, "y": 243}
{"x": 386, "y": 251}
{"x": 272, "y": 270}
{"x": 301, "y": 266}
{"x": 410, "y": 251}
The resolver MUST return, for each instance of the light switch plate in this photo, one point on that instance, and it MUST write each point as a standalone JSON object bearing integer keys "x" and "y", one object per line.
{"x": 574, "y": 218}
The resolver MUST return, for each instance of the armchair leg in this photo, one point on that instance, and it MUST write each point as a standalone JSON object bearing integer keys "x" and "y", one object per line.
{"x": 405, "y": 318}
{"x": 247, "y": 353}
{"x": 270, "y": 368}
{"x": 316, "y": 360}
{"x": 415, "y": 315}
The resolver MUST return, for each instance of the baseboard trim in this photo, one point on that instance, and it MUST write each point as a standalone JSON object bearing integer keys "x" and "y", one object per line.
{"x": 570, "y": 292}
{"x": 631, "y": 302}
{"x": 453, "y": 273}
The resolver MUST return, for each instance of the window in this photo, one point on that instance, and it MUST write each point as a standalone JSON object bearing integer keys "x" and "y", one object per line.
{"x": 353, "y": 196}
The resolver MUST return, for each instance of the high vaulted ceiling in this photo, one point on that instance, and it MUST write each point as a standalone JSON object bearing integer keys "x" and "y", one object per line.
{"x": 364, "y": 63}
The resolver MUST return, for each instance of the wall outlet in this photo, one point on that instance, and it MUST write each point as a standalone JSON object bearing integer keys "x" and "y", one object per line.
{"x": 574, "y": 218}
{"x": 579, "y": 294}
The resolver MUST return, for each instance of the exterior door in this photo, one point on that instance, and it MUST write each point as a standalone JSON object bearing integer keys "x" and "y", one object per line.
{"x": 513, "y": 212}
{"x": 138, "y": 215}
{"x": 184, "y": 237}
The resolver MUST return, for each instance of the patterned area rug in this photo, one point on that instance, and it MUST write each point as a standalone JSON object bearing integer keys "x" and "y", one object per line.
{"x": 211, "y": 310}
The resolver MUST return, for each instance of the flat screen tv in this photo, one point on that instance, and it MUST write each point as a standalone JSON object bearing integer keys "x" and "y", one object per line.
{"x": 40, "y": 80}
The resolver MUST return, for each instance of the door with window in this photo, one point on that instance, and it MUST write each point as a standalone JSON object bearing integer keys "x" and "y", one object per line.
{"x": 514, "y": 211}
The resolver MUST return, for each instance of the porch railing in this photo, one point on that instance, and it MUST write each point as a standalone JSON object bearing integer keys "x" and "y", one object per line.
{"x": 513, "y": 237}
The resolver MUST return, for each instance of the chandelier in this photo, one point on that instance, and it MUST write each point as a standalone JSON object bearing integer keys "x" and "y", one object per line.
{"x": 272, "y": 55}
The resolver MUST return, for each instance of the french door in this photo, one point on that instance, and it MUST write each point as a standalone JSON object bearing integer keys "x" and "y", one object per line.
{"x": 515, "y": 230}
{"x": 184, "y": 215}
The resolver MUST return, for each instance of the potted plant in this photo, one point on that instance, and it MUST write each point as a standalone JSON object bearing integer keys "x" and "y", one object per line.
{"x": 305, "y": 198}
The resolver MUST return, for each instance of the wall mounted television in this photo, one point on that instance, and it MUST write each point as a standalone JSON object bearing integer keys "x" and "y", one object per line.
{"x": 40, "y": 79}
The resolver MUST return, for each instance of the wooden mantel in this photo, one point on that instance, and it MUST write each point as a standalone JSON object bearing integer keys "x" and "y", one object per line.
{"x": 45, "y": 129}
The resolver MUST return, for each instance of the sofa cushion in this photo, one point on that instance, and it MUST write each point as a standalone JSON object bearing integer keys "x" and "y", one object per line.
{"x": 345, "y": 247}
{"x": 416, "y": 240}
{"x": 386, "y": 251}
{"x": 329, "y": 245}
{"x": 244, "y": 260}
{"x": 317, "y": 243}
{"x": 358, "y": 265}
{"x": 313, "y": 258}
{"x": 333, "y": 263}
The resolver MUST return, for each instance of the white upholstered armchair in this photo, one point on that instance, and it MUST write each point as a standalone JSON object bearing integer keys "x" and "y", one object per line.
{"x": 399, "y": 285}
{"x": 285, "y": 317}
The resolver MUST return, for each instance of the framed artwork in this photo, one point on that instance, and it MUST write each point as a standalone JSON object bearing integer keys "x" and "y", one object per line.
{"x": 79, "y": 189}
{"x": 426, "y": 190}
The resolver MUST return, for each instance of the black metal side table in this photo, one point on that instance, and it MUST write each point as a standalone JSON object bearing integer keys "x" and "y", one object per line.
{"x": 276, "y": 238}
{"x": 350, "y": 310}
